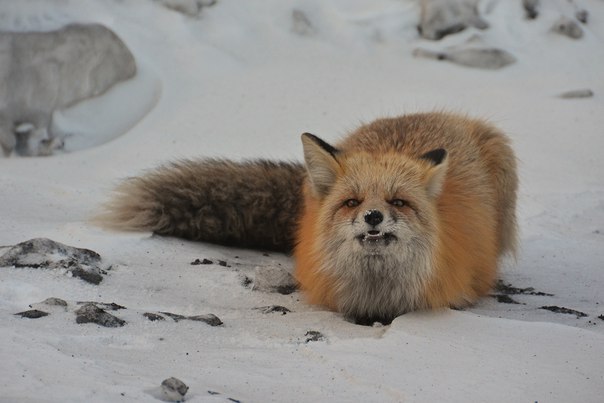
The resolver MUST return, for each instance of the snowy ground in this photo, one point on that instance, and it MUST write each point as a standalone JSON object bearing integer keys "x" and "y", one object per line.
{"x": 240, "y": 81}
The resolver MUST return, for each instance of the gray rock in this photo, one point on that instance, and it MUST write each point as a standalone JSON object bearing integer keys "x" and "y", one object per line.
{"x": 530, "y": 8}
{"x": 41, "y": 72}
{"x": 173, "y": 389}
{"x": 476, "y": 57}
{"x": 32, "y": 314}
{"x": 568, "y": 27}
{"x": 191, "y": 8}
{"x": 273, "y": 279}
{"x": 582, "y": 93}
{"x": 90, "y": 313}
{"x": 301, "y": 25}
{"x": 48, "y": 254}
{"x": 439, "y": 18}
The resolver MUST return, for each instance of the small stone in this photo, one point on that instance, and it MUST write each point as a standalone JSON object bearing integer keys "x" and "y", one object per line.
{"x": 52, "y": 301}
{"x": 581, "y": 93}
{"x": 568, "y": 27}
{"x": 560, "y": 309}
{"x": 313, "y": 335}
{"x": 204, "y": 261}
{"x": 582, "y": 16}
{"x": 530, "y": 8}
{"x": 174, "y": 389}
{"x": 273, "y": 308}
{"x": 505, "y": 299}
{"x": 32, "y": 314}
{"x": 173, "y": 316}
{"x": 301, "y": 25}
{"x": 209, "y": 318}
{"x": 153, "y": 317}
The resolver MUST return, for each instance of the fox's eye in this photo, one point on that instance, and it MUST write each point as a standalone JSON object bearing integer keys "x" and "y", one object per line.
{"x": 398, "y": 203}
{"x": 352, "y": 203}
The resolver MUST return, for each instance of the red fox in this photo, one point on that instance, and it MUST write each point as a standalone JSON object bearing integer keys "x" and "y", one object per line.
{"x": 405, "y": 213}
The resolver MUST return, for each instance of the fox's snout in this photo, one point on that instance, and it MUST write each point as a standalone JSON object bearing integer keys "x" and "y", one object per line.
{"x": 373, "y": 217}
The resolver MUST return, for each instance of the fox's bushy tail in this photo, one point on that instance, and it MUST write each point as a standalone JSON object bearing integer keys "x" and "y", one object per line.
{"x": 248, "y": 204}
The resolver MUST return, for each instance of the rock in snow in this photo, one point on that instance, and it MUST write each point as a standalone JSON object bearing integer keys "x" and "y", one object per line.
{"x": 174, "y": 389}
{"x": 42, "y": 72}
{"x": 440, "y": 18}
{"x": 47, "y": 254}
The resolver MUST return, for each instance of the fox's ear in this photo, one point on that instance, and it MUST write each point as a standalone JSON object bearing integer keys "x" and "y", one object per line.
{"x": 435, "y": 177}
{"x": 321, "y": 163}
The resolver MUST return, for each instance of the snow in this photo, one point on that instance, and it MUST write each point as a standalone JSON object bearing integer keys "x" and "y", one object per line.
{"x": 238, "y": 81}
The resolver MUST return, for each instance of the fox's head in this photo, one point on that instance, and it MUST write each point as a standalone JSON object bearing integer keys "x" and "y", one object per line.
{"x": 378, "y": 224}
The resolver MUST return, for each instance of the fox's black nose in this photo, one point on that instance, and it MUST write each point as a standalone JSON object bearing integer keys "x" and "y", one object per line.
{"x": 373, "y": 217}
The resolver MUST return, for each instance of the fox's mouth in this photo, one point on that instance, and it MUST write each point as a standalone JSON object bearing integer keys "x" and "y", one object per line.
{"x": 374, "y": 237}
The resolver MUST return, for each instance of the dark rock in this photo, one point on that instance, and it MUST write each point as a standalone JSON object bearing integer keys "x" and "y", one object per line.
{"x": 582, "y": 93}
{"x": 90, "y": 313}
{"x": 204, "y": 261}
{"x": 174, "y": 389}
{"x": 153, "y": 317}
{"x": 582, "y": 16}
{"x": 209, "y": 319}
{"x": 559, "y": 309}
{"x": 313, "y": 335}
{"x": 273, "y": 308}
{"x": 32, "y": 314}
{"x": 508, "y": 289}
{"x": 505, "y": 299}
{"x": 530, "y": 8}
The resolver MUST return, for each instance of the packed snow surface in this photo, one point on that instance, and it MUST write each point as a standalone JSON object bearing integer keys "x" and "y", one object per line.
{"x": 243, "y": 79}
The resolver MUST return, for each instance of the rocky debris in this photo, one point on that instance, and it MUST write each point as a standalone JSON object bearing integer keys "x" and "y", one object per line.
{"x": 52, "y": 301}
{"x": 91, "y": 313}
{"x": 582, "y": 93}
{"x": 569, "y": 27}
{"x": 439, "y": 18}
{"x": 301, "y": 25}
{"x": 47, "y": 254}
{"x": 479, "y": 57}
{"x": 559, "y": 309}
{"x": 530, "y": 8}
{"x": 209, "y": 318}
{"x": 314, "y": 335}
{"x": 190, "y": 8}
{"x": 103, "y": 305}
{"x": 582, "y": 16}
{"x": 153, "y": 317}
{"x": 205, "y": 261}
{"x": 273, "y": 308}
{"x": 173, "y": 389}
{"x": 32, "y": 314}
{"x": 49, "y": 71}
{"x": 273, "y": 279}
{"x": 506, "y": 299}
{"x": 508, "y": 289}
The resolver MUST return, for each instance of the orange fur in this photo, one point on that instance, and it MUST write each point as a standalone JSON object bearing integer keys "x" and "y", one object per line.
{"x": 473, "y": 216}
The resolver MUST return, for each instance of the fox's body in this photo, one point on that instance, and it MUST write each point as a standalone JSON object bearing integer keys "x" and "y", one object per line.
{"x": 403, "y": 214}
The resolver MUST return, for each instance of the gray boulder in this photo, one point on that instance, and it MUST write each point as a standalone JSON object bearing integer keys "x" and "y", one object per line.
{"x": 440, "y": 18}
{"x": 41, "y": 72}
